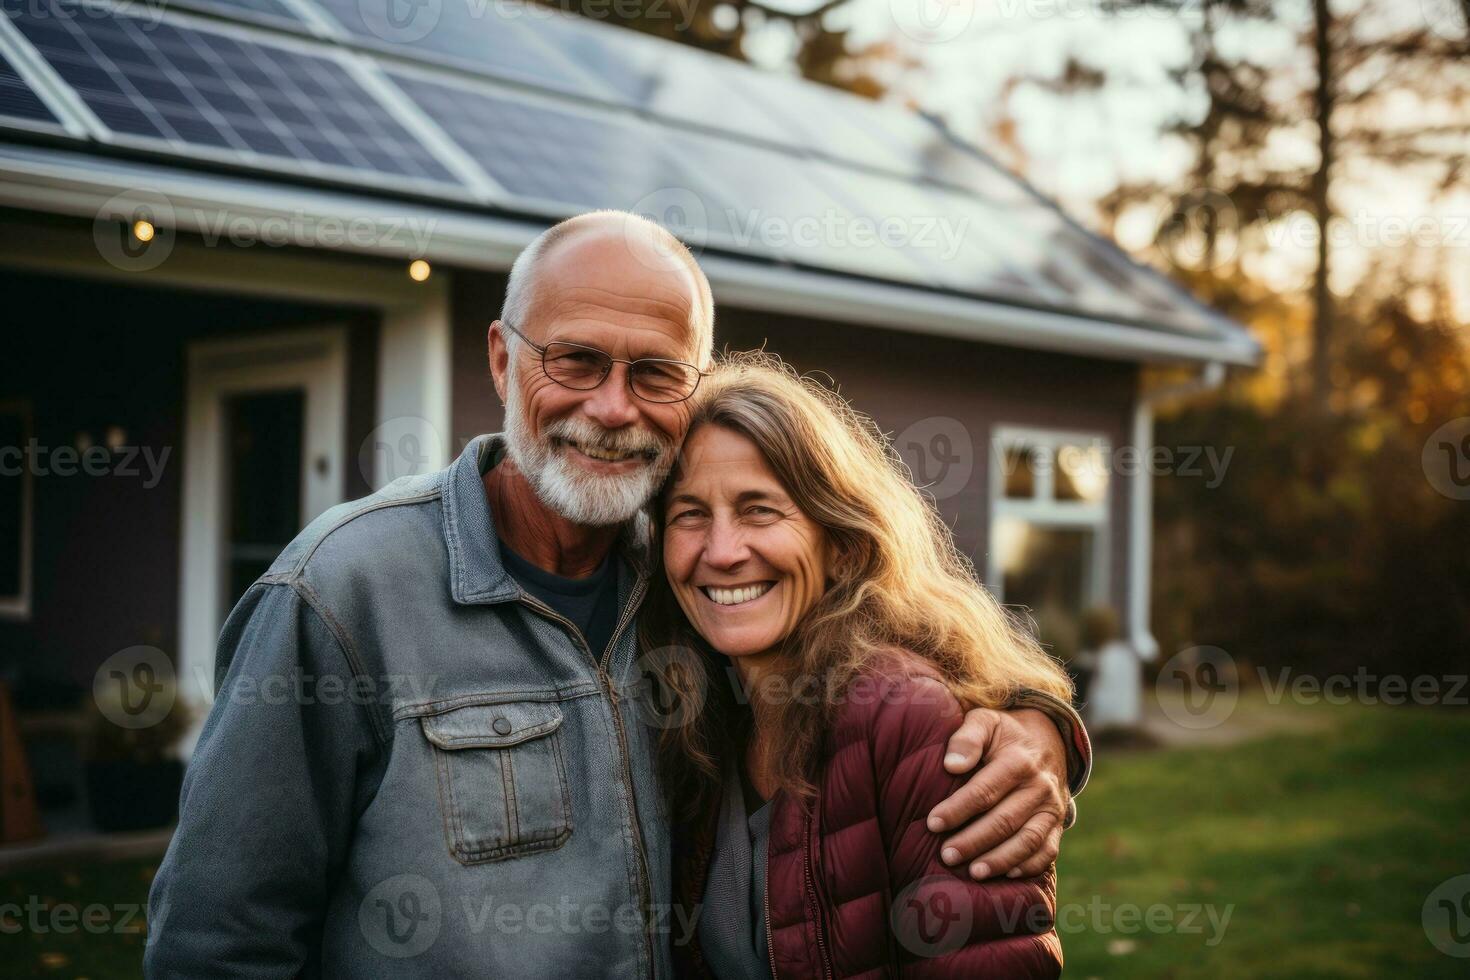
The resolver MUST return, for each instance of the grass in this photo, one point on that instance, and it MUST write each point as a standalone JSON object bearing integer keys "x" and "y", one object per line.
{"x": 1323, "y": 847}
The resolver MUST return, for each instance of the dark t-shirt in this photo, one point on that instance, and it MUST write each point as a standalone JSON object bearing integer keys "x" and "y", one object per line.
{"x": 591, "y": 603}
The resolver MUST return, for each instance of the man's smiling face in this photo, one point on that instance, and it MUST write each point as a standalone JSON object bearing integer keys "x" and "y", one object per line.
{"x": 597, "y": 456}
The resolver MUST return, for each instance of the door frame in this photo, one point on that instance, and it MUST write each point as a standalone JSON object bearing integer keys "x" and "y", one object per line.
{"x": 314, "y": 360}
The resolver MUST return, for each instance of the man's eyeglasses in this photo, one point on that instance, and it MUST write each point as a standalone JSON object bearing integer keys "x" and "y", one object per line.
{"x": 653, "y": 379}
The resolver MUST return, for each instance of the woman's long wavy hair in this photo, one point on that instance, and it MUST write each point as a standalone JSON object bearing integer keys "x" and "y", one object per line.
{"x": 897, "y": 581}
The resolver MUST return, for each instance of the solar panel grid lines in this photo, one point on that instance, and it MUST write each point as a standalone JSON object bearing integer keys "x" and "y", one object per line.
{"x": 228, "y": 94}
{"x": 17, "y": 101}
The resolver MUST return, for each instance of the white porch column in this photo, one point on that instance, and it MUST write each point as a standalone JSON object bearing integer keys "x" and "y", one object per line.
{"x": 412, "y": 434}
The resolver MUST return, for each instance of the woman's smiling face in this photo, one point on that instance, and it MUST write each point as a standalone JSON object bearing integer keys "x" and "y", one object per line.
{"x": 744, "y": 562}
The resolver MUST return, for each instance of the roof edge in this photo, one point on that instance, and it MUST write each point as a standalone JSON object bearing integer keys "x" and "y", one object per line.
{"x": 105, "y": 189}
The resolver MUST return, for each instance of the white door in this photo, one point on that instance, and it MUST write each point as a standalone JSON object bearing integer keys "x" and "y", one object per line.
{"x": 263, "y": 454}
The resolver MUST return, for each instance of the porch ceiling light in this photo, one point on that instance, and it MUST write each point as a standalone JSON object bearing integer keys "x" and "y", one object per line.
{"x": 418, "y": 270}
{"x": 143, "y": 230}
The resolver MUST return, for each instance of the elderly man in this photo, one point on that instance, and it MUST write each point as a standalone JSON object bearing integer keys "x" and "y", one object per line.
{"x": 461, "y": 782}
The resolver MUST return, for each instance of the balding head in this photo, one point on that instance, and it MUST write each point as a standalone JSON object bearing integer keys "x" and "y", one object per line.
{"x": 621, "y": 239}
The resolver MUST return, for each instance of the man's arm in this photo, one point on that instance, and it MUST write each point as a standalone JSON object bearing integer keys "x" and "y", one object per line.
{"x": 269, "y": 801}
{"x": 1012, "y": 812}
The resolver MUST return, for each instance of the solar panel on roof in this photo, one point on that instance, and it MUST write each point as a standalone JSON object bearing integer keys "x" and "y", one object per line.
{"x": 254, "y": 101}
{"x": 707, "y": 187}
{"x": 489, "y": 36}
{"x": 536, "y": 151}
{"x": 17, "y": 100}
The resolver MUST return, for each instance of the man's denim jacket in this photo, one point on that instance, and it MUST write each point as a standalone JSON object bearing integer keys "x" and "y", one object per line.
{"x": 414, "y": 769}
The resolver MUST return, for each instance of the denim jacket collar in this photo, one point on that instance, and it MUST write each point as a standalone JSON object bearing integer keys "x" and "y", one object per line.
{"x": 476, "y": 573}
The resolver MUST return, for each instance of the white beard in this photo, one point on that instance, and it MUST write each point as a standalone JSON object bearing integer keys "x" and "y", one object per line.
{"x": 568, "y": 489}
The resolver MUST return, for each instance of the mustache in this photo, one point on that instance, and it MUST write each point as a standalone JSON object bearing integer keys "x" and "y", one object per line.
{"x": 591, "y": 435}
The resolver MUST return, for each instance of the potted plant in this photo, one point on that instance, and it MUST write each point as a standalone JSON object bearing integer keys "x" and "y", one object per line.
{"x": 133, "y": 773}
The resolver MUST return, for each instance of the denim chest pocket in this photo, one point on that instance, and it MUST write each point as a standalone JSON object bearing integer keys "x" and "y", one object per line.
{"x": 502, "y": 779}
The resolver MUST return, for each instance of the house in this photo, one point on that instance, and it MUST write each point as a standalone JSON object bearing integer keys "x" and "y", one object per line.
{"x": 250, "y": 249}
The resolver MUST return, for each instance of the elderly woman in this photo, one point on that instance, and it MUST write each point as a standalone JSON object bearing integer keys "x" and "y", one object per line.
{"x": 833, "y": 637}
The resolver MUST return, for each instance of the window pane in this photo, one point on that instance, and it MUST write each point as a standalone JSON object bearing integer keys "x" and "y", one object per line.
{"x": 264, "y": 482}
{"x": 1021, "y": 463}
{"x": 1046, "y": 570}
{"x": 1082, "y": 473}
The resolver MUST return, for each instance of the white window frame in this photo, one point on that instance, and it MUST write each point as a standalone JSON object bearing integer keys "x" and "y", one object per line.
{"x": 17, "y": 607}
{"x": 1042, "y": 509}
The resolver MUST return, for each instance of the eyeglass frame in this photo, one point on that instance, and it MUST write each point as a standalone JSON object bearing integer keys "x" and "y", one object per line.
{"x": 542, "y": 348}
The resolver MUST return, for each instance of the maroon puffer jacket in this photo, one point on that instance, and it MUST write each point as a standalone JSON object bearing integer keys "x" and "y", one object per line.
{"x": 856, "y": 887}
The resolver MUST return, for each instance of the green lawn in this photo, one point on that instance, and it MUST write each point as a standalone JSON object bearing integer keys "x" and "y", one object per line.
{"x": 1326, "y": 846}
{"x": 1322, "y": 848}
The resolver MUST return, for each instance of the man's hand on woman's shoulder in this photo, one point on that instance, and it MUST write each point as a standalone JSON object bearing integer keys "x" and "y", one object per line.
{"x": 1011, "y": 813}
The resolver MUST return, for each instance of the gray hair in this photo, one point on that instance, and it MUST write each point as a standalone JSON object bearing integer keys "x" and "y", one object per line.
{"x": 521, "y": 289}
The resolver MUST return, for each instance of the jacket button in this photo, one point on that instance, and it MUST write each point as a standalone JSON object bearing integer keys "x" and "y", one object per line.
{"x": 502, "y": 726}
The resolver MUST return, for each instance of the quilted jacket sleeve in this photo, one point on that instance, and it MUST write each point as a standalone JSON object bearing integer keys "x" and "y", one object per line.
{"x": 943, "y": 923}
